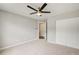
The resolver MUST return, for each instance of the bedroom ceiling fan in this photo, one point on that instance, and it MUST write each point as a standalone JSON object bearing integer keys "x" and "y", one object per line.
{"x": 39, "y": 11}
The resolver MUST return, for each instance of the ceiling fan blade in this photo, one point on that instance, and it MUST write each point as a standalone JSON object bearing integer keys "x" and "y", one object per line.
{"x": 43, "y": 6}
{"x": 45, "y": 12}
{"x": 33, "y": 13}
{"x": 31, "y": 8}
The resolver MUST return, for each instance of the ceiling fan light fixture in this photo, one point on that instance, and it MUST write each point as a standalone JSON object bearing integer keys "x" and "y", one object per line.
{"x": 39, "y": 14}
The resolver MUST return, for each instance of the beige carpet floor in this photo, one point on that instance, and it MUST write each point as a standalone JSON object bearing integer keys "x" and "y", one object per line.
{"x": 40, "y": 47}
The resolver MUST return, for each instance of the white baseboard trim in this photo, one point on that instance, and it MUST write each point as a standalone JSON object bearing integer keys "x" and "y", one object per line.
{"x": 68, "y": 46}
{"x": 51, "y": 42}
{"x": 62, "y": 45}
{"x": 17, "y": 44}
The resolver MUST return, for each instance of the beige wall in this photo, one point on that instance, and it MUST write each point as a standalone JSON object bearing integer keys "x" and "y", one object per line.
{"x": 67, "y": 32}
{"x": 51, "y": 30}
{"x": 16, "y": 29}
{"x": 63, "y": 29}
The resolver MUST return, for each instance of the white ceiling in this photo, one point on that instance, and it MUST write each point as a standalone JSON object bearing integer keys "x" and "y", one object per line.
{"x": 55, "y": 8}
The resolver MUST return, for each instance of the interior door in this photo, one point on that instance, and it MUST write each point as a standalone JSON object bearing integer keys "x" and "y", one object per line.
{"x": 42, "y": 30}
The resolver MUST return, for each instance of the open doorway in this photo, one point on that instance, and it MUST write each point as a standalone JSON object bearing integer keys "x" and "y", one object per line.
{"x": 43, "y": 30}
